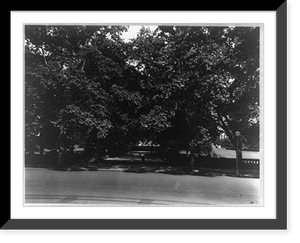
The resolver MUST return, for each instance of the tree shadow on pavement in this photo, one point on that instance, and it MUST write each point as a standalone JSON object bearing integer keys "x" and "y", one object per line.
{"x": 186, "y": 170}
{"x": 172, "y": 170}
{"x": 153, "y": 164}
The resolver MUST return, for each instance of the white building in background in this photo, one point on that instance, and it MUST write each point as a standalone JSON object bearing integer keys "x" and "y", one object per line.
{"x": 223, "y": 136}
{"x": 231, "y": 154}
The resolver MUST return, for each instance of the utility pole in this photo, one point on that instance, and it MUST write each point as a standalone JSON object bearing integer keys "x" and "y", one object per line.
{"x": 237, "y": 136}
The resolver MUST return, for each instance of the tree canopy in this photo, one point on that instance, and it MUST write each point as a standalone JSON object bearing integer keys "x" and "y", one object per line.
{"x": 178, "y": 86}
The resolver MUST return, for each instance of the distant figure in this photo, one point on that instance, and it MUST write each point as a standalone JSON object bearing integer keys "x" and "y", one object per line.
{"x": 143, "y": 157}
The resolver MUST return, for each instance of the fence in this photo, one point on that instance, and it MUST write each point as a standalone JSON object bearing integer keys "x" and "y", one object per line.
{"x": 224, "y": 163}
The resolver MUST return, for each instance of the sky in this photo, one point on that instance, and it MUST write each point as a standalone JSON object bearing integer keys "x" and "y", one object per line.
{"x": 134, "y": 29}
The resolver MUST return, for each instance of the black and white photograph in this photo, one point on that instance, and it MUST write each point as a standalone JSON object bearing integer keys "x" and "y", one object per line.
{"x": 148, "y": 120}
{"x": 143, "y": 115}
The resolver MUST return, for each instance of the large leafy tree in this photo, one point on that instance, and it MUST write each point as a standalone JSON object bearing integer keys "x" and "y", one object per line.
{"x": 199, "y": 82}
{"x": 177, "y": 113}
{"x": 73, "y": 75}
{"x": 179, "y": 86}
{"x": 234, "y": 85}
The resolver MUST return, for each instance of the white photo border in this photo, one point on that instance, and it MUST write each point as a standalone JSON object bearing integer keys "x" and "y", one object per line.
{"x": 267, "y": 19}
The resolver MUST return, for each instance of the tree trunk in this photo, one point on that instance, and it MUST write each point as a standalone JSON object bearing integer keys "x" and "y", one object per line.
{"x": 226, "y": 128}
{"x": 61, "y": 152}
{"x": 130, "y": 147}
{"x": 191, "y": 147}
{"x": 239, "y": 149}
{"x": 192, "y": 157}
{"x": 41, "y": 142}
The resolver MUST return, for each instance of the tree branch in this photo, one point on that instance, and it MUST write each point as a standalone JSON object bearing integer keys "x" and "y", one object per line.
{"x": 83, "y": 65}
{"x": 226, "y": 129}
{"x": 43, "y": 53}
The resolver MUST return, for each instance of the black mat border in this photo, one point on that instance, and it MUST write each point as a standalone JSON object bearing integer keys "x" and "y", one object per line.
{"x": 280, "y": 223}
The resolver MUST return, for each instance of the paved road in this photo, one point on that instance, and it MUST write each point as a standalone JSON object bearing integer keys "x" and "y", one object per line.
{"x": 132, "y": 189}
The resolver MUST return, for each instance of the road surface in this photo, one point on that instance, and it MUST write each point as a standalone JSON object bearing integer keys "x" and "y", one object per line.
{"x": 115, "y": 188}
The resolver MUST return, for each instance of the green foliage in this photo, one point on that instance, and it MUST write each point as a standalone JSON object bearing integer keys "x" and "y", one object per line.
{"x": 68, "y": 78}
{"x": 179, "y": 86}
{"x": 207, "y": 76}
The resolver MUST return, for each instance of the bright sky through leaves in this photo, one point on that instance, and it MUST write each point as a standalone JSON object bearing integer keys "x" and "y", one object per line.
{"x": 134, "y": 29}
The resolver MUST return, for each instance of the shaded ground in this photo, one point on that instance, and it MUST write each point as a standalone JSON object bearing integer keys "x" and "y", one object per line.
{"x": 153, "y": 164}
